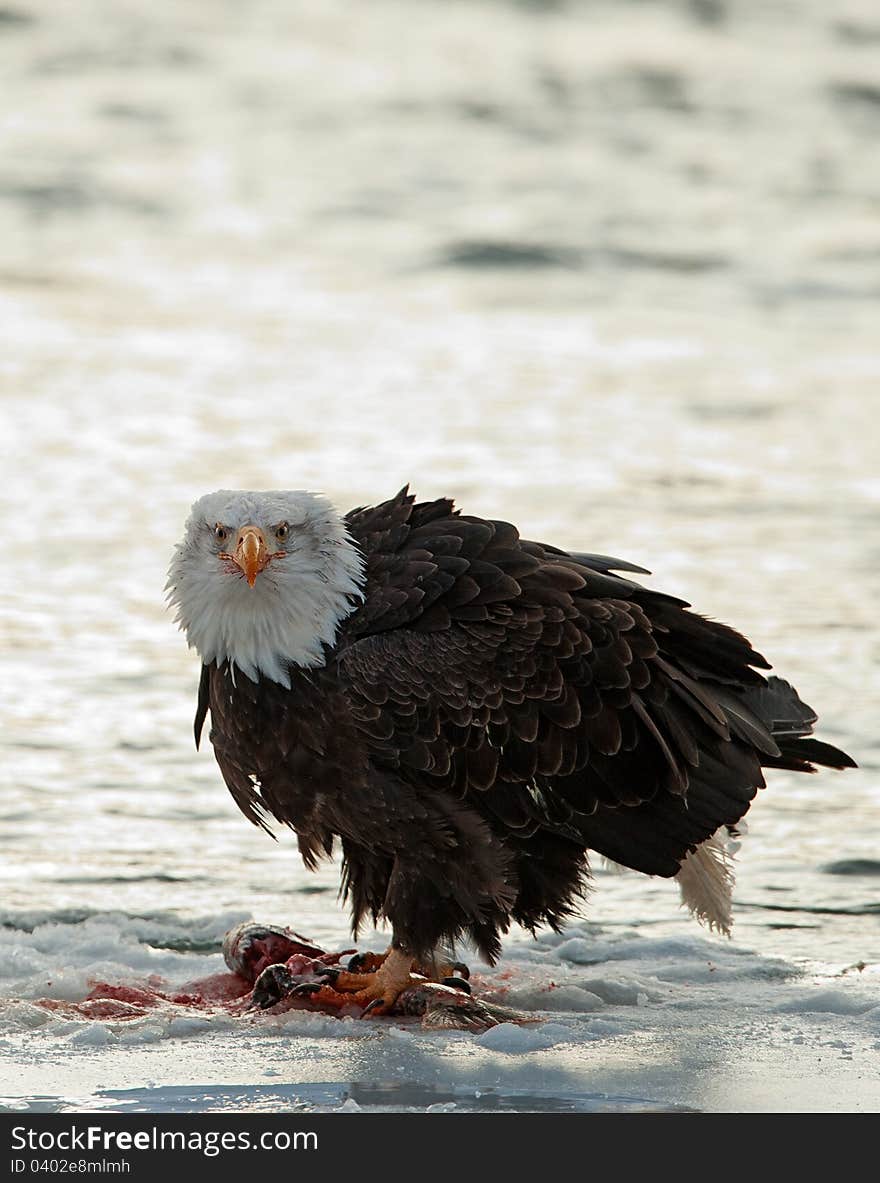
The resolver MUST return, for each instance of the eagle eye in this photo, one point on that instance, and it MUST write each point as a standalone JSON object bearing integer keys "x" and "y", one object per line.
{"x": 220, "y": 533}
{"x": 281, "y": 531}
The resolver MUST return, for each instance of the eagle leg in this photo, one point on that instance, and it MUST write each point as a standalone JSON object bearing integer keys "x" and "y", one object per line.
{"x": 324, "y": 995}
{"x": 377, "y": 991}
{"x": 376, "y": 987}
{"x": 434, "y": 971}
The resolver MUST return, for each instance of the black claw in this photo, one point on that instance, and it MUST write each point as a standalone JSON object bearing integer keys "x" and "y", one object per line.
{"x": 376, "y": 1004}
{"x": 457, "y": 984}
{"x": 329, "y": 973}
{"x": 305, "y": 989}
{"x": 462, "y": 970}
{"x": 273, "y": 984}
{"x": 355, "y": 962}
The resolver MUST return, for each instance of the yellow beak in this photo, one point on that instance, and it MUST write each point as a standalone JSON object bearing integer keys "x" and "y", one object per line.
{"x": 251, "y": 552}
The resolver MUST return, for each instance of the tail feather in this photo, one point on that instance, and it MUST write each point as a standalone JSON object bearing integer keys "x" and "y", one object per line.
{"x": 802, "y": 755}
{"x": 706, "y": 881}
{"x": 770, "y": 727}
{"x": 790, "y": 722}
{"x": 780, "y": 706}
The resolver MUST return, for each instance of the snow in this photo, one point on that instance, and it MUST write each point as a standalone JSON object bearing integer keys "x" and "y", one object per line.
{"x": 828, "y": 1002}
{"x": 622, "y": 1021}
{"x": 511, "y": 1038}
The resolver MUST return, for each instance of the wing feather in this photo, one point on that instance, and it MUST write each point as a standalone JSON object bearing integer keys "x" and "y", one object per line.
{"x": 542, "y": 682}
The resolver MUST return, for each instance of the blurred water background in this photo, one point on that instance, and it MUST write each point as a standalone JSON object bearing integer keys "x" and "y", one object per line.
{"x": 609, "y": 270}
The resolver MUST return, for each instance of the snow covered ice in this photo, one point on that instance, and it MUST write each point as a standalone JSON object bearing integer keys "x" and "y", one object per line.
{"x": 628, "y": 1022}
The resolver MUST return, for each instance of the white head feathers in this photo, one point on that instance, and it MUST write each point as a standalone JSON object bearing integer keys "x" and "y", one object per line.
{"x": 306, "y": 588}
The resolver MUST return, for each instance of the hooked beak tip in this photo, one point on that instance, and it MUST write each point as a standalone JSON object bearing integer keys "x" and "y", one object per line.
{"x": 251, "y": 554}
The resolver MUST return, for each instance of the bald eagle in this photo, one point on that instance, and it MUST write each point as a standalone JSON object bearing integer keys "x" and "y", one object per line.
{"x": 468, "y": 714}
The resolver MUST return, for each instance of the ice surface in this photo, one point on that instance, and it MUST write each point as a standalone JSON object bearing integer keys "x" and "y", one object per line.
{"x": 644, "y": 1022}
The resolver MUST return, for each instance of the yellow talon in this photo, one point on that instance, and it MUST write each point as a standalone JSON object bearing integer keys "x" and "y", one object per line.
{"x": 378, "y": 991}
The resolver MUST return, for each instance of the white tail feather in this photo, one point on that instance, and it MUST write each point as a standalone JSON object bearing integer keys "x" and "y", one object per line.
{"x": 706, "y": 880}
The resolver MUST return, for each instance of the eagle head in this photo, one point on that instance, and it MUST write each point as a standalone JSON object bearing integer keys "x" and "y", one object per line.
{"x": 263, "y": 579}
